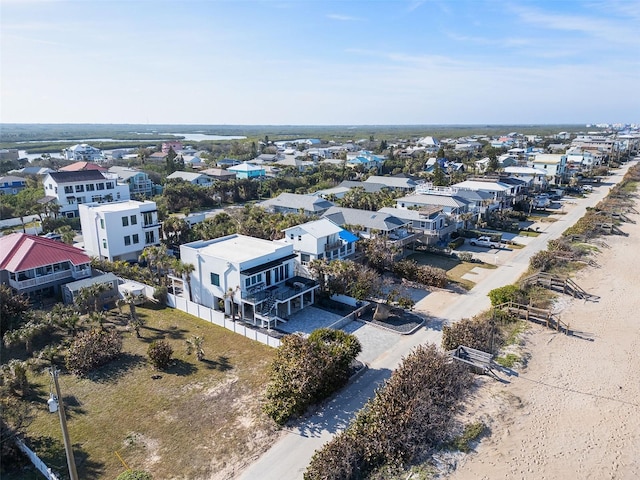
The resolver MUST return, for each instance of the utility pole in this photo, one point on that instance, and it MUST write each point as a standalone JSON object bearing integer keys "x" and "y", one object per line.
{"x": 73, "y": 474}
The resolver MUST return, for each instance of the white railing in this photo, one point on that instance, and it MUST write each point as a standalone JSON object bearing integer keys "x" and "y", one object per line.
{"x": 39, "y": 464}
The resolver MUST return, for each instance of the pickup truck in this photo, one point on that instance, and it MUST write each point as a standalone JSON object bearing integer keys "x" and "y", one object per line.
{"x": 484, "y": 242}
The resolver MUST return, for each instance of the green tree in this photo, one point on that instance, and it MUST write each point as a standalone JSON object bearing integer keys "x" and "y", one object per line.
{"x": 439, "y": 177}
{"x": 160, "y": 353}
{"x": 195, "y": 344}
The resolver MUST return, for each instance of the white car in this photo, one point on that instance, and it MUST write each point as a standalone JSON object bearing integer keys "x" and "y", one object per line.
{"x": 484, "y": 242}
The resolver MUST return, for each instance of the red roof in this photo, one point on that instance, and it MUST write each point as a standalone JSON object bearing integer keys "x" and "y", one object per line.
{"x": 20, "y": 251}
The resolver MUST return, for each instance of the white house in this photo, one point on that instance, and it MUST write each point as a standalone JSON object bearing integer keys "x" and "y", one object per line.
{"x": 84, "y": 152}
{"x": 119, "y": 230}
{"x": 71, "y": 189}
{"x": 320, "y": 239}
{"x": 431, "y": 221}
{"x": 252, "y": 277}
{"x": 552, "y": 163}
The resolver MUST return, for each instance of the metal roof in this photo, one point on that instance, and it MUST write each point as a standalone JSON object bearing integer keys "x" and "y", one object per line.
{"x": 20, "y": 251}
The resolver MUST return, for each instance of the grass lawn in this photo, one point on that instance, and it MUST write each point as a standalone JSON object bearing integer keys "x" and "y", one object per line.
{"x": 454, "y": 267}
{"x": 194, "y": 420}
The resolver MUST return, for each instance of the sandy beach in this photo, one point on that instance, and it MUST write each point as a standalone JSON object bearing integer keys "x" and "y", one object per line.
{"x": 574, "y": 410}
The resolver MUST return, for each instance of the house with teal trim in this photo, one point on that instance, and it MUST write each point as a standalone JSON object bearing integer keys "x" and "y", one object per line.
{"x": 247, "y": 170}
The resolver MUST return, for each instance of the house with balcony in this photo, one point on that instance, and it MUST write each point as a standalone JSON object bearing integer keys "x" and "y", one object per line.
{"x": 119, "y": 230}
{"x": 249, "y": 277}
{"x": 38, "y": 266}
{"x": 432, "y": 222}
{"x": 368, "y": 224}
{"x": 71, "y": 189}
{"x": 139, "y": 182}
{"x": 83, "y": 153}
{"x": 400, "y": 184}
{"x": 554, "y": 164}
{"x": 10, "y": 185}
{"x": 318, "y": 240}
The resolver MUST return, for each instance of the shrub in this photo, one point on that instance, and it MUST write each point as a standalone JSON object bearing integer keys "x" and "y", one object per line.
{"x": 92, "y": 349}
{"x": 134, "y": 475}
{"x": 409, "y": 415}
{"x": 478, "y": 333}
{"x": 544, "y": 261}
{"x": 307, "y": 370}
{"x": 508, "y": 293}
{"x": 161, "y": 294}
{"x": 457, "y": 243}
{"x": 160, "y": 352}
{"x": 465, "y": 256}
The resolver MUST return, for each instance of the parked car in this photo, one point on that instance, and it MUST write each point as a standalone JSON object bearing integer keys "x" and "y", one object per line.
{"x": 484, "y": 241}
{"x": 541, "y": 201}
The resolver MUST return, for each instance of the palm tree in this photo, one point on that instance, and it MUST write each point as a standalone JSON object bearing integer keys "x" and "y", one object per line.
{"x": 184, "y": 271}
{"x": 134, "y": 320}
{"x": 194, "y": 344}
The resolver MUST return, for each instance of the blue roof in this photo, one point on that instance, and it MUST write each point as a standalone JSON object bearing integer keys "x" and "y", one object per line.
{"x": 347, "y": 236}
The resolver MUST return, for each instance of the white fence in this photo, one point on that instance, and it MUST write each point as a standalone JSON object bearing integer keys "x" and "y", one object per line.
{"x": 219, "y": 319}
{"x": 39, "y": 464}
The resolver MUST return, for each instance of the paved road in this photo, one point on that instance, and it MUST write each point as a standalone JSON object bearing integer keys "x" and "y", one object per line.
{"x": 289, "y": 457}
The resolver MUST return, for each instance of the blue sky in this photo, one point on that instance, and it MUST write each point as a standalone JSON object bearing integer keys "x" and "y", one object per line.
{"x": 312, "y": 62}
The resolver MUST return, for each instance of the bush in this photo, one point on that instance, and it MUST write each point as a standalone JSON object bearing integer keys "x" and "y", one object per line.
{"x": 477, "y": 332}
{"x": 307, "y": 370}
{"x": 508, "y": 293}
{"x": 465, "y": 256}
{"x": 92, "y": 349}
{"x": 160, "y": 353}
{"x": 544, "y": 261}
{"x": 457, "y": 243}
{"x": 161, "y": 294}
{"x": 134, "y": 475}
{"x": 408, "y": 416}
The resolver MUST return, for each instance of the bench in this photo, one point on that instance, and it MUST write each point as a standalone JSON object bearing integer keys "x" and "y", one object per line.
{"x": 477, "y": 359}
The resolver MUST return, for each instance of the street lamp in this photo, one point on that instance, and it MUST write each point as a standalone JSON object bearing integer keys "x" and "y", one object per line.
{"x": 55, "y": 404}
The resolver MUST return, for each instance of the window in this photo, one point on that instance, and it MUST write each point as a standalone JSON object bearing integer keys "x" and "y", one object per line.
{"x": 79, "y": 188}
{"x": 304, "y": 258}
{"x": 150, "y": 237}
{"x": 127, "y": 240}
{"x": 68, "y": 189}
{"x": 215, "y": 279}
{"x": 291, "y": 236}
{"x": 125, "y": 221}
{"x": 147, "y": 218}
{"x": 136, "y": 238}
{"x": 96, "y": 198}
{"x": 134, "y": 220}
{"x": 90, "y": 187}
{"x": 102, "y": 223}
{"x": 99, "y": 186}
{"x": 104, "y": 243}
{"x": 109, "y": 185}
{"x": 299, "y": 238}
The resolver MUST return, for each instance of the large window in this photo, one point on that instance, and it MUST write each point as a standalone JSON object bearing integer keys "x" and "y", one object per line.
{"x": 109, "y": 185}
{"x": 79, "y": 188}
{"x": 215, "y": 279}
{"x": 150, "y": 237}
{"x": 147, "y": 218}
{"x": 99, "y": 186}
{"x": 125, "y": 221}
{"x": 134, "y": 220}
{"x": 90, "y": 187}
{"x": 136, "y": 238}
{"x": 68, "y": 189}
{"x": 127, "y": 240}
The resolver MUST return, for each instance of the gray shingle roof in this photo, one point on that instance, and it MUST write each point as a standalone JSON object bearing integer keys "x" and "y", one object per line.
{"x": 367, "y": 219}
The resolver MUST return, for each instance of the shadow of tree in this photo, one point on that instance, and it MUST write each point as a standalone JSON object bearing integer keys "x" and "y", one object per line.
{"x": 222, "y": 363}
{"x": 51, "y": 452}
{"x": 117, "y": 368}
{"x": 72, "y": 406}
{"x": 181, "y": 368}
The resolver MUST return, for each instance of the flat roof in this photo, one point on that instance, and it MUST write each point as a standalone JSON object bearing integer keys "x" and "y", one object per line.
{"x": 240, "y": 248}
{"x": 119, "y": 206}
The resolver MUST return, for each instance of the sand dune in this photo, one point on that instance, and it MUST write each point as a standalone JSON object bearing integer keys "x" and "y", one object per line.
{"x": 574, "y": 411}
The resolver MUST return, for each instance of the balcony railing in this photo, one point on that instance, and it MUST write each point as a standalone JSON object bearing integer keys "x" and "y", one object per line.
{"x": 332, "y": 246}
{"x": 44, "y": 279}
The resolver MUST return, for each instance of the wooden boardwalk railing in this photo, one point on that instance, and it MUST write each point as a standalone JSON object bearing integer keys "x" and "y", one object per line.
{"x": 559, "y": 283}
{"x": 536, "y": 315}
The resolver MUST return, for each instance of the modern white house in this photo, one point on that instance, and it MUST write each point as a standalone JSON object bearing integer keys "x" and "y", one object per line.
{"x": 83, "y": 152}
{"x": 38, "y": 266}
{"x": 319, "y": 239}
{"x": 119, "y": 230}
{"x": 71, "y": 189}
{"x": 249, "y": 277}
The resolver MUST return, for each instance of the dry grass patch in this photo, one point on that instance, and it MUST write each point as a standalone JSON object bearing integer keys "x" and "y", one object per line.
{"x": 454, "y": 267}
{"x": 190, "y": 421}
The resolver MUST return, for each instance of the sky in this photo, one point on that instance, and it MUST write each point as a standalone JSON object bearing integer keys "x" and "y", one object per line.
{"x": 320, "y": 62}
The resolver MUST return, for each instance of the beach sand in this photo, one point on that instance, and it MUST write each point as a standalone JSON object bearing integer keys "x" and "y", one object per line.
{"x": 573, "y": 412}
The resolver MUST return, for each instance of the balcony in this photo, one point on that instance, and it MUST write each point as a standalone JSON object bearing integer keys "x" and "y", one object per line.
{"x": 51, "y": 278}
{"x": 282, "y": 292}
{"x": 332, "y": 246}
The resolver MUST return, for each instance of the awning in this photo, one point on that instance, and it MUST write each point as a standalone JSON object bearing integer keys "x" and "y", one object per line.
{"x": 268, "y": 265}
{"x": 347, "y": 236}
